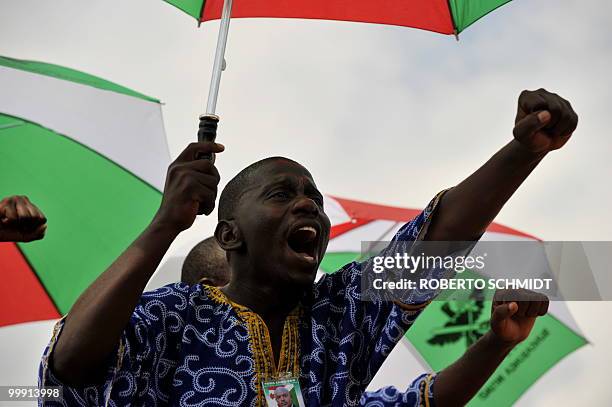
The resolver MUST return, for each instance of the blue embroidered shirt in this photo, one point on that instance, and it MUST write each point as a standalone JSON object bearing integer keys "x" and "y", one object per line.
{"x": 190, "y": 345}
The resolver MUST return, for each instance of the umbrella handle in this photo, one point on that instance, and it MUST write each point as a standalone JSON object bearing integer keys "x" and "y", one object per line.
{"x": 207, "y": 132}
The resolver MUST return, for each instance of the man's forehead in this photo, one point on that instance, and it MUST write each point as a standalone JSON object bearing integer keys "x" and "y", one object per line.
{"x": 278, "y": 173}
{"x": 284, "y": 166}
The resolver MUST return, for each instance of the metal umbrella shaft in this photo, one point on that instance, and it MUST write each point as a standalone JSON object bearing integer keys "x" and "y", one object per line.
{"x": 208, "y": 121}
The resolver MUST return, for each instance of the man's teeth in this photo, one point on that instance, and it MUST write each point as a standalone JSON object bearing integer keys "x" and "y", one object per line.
{"x": 308, "y": 229}
{"x": 307, "y": 256}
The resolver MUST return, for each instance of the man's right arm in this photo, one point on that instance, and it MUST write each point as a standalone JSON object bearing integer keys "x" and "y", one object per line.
{"x": 513, "y": 315}
{"x": 96, "y": 321}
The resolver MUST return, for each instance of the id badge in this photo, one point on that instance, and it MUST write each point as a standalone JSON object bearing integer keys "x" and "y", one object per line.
{"x": 283, "y": 392}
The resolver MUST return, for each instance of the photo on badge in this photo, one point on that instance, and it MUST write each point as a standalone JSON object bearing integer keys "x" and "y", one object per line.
{"x": 283, "y": 393}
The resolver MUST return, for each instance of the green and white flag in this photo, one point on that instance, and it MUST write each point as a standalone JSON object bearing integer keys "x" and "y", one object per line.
{"x": 445, "y": 330}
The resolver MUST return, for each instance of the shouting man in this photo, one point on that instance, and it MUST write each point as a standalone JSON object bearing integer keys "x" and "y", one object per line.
{"x": 188, "y": 345}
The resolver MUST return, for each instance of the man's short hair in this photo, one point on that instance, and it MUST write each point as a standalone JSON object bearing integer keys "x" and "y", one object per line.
{"x": 207, "y": 263}
{"x": 231, "y": 193}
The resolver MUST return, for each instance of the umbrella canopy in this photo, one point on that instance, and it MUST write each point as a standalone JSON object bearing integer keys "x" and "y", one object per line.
{"x": 445, "y": 330}
{"x": 92, "y": 155}
{"x": 442, "y": 16}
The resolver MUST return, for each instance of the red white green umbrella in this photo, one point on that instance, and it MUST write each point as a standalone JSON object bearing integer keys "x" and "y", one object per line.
{"x": 73, "y": 143}
{"x": 442, "y": 16}
{"x": 441, "y": 334}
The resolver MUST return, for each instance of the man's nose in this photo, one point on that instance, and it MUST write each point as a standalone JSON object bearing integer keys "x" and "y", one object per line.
{"x": 306, "y": 205}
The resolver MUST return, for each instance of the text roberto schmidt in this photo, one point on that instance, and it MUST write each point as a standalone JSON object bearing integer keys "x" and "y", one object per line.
{"x": 410, "y": 264}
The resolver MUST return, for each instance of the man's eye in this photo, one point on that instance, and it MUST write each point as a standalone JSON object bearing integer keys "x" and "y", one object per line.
{"x": 280, "y": 194}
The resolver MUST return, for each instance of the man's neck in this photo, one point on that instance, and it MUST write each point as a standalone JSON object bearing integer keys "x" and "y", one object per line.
{"x": 265, "y": 300}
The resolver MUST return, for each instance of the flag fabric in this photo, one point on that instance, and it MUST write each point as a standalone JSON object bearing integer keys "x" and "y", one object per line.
{"x": 445, "y": 330}
{"x": 442, "y": 16}
{"x": 92, "y": 155}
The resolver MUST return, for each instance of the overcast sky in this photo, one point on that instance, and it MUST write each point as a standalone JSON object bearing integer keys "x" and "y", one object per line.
{"x": 384, "y": 114}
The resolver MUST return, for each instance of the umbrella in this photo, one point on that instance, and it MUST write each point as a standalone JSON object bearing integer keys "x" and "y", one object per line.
{"x": 63, "y": 144}
{"x": 445, "y": 329}
{"x": 441, "y": 16}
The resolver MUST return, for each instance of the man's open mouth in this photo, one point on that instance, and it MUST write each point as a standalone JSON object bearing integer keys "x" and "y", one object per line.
{"x": 303, "y": 241}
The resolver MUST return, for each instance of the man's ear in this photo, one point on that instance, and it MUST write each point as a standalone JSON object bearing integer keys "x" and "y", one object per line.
{"x": 228, "y": 236}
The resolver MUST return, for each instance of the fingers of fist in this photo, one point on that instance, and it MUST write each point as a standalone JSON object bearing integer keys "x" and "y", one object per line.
{"x": 514, "y": 313}
{"x": 520, "y": 303}
{"x": 191, "y": 185}
{"x": 544, "y": 120}
{"x": 21, "y": 220}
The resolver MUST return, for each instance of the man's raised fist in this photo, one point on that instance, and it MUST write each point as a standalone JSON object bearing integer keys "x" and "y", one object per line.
{"x": 514, "y": 312}
{"x": 544, "y": 121}
{"x": 21, "y": 220}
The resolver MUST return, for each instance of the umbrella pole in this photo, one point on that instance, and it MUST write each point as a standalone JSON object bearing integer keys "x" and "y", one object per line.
{"x": 219, "y": 64}
{"x": 209, "y": 120}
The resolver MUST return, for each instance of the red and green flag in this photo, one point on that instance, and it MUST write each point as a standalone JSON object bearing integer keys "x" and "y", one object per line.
{"x": 442, "y": 16}
{"x": 446, "y": 329}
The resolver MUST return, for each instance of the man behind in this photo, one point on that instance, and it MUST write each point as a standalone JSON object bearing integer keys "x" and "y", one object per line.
{"x": 182, "y": 345}
{"x": 206, "y": 263}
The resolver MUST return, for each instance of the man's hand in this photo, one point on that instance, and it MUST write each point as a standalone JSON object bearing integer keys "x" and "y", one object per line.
{"x": 513, "y": 314}
{"x": 544, "y": 121}
{"x": 21, "y": 220}
{"x": 191, "y": 187}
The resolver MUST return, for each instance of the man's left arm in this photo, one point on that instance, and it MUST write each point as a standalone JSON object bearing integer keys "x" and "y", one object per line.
{"x": 544, "y": 122}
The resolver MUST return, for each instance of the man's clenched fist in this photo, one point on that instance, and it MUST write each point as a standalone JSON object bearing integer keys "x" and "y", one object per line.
{"x": 21, "y": 220}
{"x": 544, "y": 121}
{"x": 514, "y": 312}
{"x": 191, "y": 187}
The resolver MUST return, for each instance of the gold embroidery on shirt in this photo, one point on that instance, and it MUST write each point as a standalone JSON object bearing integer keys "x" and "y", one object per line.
{"x": 261, "y": 345}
